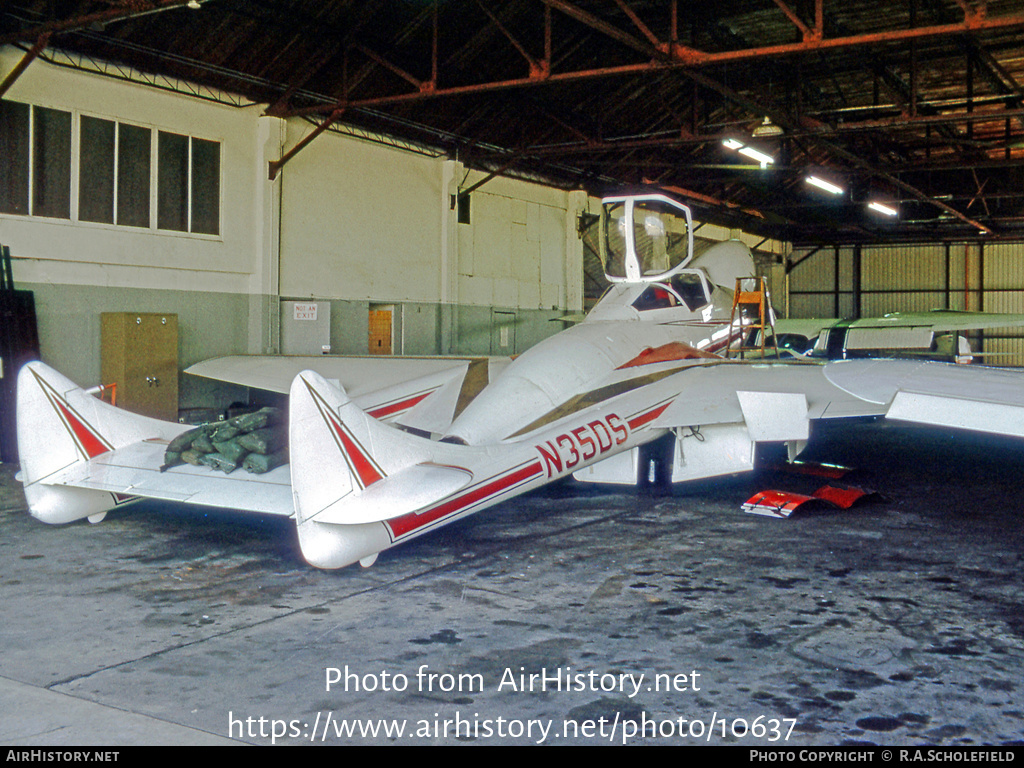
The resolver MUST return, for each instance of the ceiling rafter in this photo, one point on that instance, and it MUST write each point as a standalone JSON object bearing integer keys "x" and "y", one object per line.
{"x": 591, "y": 93}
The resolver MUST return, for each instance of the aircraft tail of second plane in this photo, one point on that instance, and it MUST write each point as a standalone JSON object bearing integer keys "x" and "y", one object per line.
{"x": 360, "y": 486}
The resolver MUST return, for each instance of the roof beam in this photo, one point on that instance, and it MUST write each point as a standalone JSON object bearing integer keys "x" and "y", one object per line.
{"x": 638, "y": 23}
{"x": 536, "y": 67}
{"x": 275, "y": 166}
{"x": 420, "y": 85}
{"x": 809, "y": 34}
{"x": 601, "y": 26}
{"x": 22, "y": 65}
{"x": 589, "y": 145}
{"x": 973, "y": 21}
{"x": 669, "y": 56}
{"x": 120, "y": 13}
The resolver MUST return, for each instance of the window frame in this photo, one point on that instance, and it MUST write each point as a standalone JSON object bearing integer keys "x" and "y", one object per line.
{"x": 213, "y": 182}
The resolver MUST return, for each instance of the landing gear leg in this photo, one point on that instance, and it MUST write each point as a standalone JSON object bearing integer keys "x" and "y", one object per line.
{"x": 654, "y": 474}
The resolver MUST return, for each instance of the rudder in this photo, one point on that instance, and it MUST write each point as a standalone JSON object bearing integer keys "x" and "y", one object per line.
{"x": 350, "y": 473}
{"x": 60, "y": 425}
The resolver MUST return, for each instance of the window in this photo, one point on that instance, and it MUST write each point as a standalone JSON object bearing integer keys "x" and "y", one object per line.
{"x": 51, "y": 163}
{"x": 96, "y": 177}
{"x": 14, "y": 139}
{"x": 112, "y": 172}
{"x": 113, "y": 181}
{"x": 133, "y": 177}
{"x": 205, "y": 187}
{"x": 172, "y": 182}
{"x": 35, "y": 144}
{"x": 188, "y": 186}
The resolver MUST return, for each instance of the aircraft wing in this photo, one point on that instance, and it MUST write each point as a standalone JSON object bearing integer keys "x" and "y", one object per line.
{"x": 938, "y": 321}
{"x": 722, "y": 393}
{"x": 939, "y": 394}
{"x": 962, "y": 397}
{"x": 359, "y": 374}
{"x": 943, "y": 320}
{"x": 723, "y": 409}
{"x": 914, "y": 332}
{"x": 421, "y": 393}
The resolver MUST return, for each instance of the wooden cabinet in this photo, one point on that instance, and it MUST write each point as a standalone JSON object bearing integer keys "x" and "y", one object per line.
{"x": 139, "y": 352}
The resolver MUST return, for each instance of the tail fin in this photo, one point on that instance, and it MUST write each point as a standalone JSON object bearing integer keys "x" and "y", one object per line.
{"x": 350, "y": 473}
{"x": 60, "y": 425}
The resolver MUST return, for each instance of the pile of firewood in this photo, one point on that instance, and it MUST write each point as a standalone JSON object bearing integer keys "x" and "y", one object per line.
{"x": 257, "y": 442}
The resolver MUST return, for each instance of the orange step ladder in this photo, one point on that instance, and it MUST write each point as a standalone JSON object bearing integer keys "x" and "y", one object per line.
{"x": 752, "y": 314}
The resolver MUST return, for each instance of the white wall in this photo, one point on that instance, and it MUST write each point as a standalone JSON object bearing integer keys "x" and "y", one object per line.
{"x": 514, "y": 251}
{"x": 80, "y": 253}
{"x": 359, "y": 221}
{"x": 364, "y": 221}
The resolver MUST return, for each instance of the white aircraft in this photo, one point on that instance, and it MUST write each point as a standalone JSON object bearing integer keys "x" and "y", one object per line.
{"x": 938, "y": 334}
{"x": 385, "y": 450}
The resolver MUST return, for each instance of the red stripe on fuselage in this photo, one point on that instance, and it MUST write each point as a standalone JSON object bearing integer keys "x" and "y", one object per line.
{"x": 647, "y": 418}
{"x": 402, "y": 405}
{"x": 406, "y": 524}
{"x": 675, "y": 350}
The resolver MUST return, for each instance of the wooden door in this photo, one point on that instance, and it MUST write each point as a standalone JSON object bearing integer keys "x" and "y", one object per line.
{"x": 380, "y": 332}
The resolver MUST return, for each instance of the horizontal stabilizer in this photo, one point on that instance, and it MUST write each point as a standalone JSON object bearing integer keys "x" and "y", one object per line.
{"x": 407, "y": 490}
{"x": 134, "y": 471}
{"x": 81, "y": 456}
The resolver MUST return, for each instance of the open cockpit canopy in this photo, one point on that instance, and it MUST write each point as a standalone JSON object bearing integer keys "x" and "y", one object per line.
{"x": 644, "y": 238}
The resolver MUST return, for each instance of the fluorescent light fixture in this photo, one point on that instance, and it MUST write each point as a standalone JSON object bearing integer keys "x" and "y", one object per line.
{"x": 880, "y": 208}
{"x": 754, "y": 154}
{"x": 828, "y": 186}
{"x": 750, "y": 152}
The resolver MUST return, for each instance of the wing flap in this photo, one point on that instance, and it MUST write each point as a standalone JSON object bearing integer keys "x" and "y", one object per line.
{"x": 958, "y": 413}
{"x": 775, "y": 415}
{"x": 962, "y": 397}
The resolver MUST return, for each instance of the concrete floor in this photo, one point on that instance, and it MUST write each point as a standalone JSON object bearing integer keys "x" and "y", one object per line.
{"x": 898, "y": 622}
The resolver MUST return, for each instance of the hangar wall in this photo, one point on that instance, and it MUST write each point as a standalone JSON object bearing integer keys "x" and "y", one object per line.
{"x": 350, "y": 221}
{"x": 848, "y": 282}
{"x": 514, "y": 250}
{"x": 79, "y": 265}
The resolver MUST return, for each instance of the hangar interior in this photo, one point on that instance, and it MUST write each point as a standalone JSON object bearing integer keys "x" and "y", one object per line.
{"x": 435, "y": 165}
